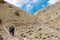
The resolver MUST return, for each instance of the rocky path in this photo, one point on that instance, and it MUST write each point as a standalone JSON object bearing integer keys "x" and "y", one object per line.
{"x": 39, "y": 31}
{"x": 8, "y": 34}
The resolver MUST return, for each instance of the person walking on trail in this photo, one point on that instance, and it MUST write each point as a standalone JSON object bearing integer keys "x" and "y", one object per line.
{"x": 11, "y": 30}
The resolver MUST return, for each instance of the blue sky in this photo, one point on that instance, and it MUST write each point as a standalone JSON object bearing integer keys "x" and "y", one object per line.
{"x": 31, "y": 6}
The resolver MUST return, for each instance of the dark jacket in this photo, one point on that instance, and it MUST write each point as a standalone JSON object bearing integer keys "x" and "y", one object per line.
{"x": 11, "y": 29}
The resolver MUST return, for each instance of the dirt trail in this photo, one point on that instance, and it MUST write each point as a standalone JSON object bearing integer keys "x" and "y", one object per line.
{"x": 9, "y": 36}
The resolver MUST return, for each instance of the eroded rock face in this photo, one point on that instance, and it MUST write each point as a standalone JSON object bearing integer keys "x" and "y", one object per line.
{"x": 10, "y": 13}
{"x": 2, "y": 1}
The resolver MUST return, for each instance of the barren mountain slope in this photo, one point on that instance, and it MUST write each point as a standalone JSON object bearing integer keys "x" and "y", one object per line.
{"x": 50, "y": 13}
{"x": 10, "y": 13}
{"x": 50, "y": 16}
{"x": 47, "y": 28}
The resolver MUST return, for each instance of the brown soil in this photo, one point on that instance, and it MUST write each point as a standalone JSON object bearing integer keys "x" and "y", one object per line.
{"x": 1, "y": 38}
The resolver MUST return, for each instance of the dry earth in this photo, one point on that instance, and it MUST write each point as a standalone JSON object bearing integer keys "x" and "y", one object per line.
{"x": 44, "y": 25}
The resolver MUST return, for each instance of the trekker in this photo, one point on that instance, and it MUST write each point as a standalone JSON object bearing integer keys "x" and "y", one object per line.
{"x": 11, "y": 30}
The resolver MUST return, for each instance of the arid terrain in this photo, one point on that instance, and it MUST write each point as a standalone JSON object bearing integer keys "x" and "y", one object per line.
{"x": 43, "y": 25}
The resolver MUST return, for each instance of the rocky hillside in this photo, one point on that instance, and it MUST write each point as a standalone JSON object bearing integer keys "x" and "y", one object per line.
{"x": 11, "y": 15}
{"x": 50, "y": 15}
{"x": 49, "y": 19}
{"x": 44, "y": 25}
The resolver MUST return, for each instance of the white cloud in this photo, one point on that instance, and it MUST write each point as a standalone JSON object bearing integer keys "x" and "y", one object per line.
{"x": 17, "y": 2}
{"x": 21, "y": 1}
{"x": 29, "y": 7}
{"x": 52, "y": 1}
{"x": 11, "y": 2}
